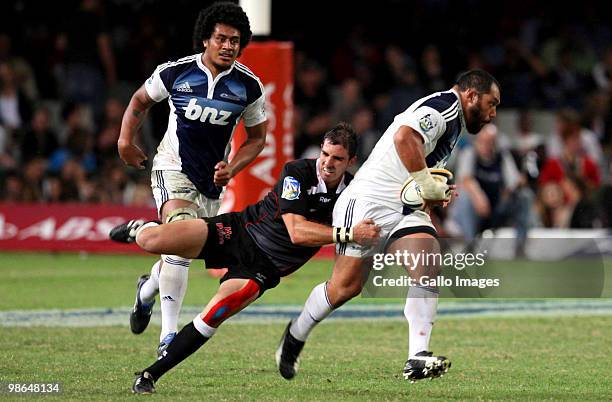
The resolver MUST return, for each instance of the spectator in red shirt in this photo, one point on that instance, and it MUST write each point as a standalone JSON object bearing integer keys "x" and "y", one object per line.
{"x": 568, "y": 182}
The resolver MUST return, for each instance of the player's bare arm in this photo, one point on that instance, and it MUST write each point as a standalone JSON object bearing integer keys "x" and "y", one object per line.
{"x": 409, "y": 146}
{"x": 312, "y": 234}
{"x": 248, "y": 151}
{"x": 133, "y": 117}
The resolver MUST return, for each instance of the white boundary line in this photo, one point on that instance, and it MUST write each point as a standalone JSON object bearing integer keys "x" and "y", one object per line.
{"x": 264, "y": 314}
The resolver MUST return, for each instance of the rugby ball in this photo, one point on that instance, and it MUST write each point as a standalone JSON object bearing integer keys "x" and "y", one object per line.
{"x": 411, "y": 191}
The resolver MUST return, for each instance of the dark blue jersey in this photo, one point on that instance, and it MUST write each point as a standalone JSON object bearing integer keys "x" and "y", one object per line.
{"x": 204, "y": 113}
{"x": 442, "y": 110}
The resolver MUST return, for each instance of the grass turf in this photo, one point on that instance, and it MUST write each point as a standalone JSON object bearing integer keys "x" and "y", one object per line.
{"x": 493, "y": 359}
{"x": 559, "y": 358}
{"x": 71, "y": 281}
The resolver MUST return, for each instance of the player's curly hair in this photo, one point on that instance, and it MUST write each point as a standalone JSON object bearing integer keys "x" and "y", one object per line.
{"x": 221, "y": 13}
{"x": 343, "y": 134}
{"x": 480, "y": 80}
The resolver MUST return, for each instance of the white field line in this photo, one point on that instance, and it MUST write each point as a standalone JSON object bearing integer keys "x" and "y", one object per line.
{"x": 281, "y": 313}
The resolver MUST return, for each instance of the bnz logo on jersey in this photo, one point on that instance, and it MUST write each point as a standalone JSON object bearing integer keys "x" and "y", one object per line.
{"x": 193, "y": 111}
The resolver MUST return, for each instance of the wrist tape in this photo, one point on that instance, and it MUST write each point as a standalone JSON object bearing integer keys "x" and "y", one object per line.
{"x": 430, "y": 189}
{"x": 342, "y": 234}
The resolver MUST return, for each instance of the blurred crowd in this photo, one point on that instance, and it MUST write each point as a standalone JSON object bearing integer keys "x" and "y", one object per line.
{"x": 66, "y": 74}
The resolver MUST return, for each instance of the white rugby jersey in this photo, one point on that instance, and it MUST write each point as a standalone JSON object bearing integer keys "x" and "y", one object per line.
{"x": 204, "y": 113}
{"x": 438, "y": 118}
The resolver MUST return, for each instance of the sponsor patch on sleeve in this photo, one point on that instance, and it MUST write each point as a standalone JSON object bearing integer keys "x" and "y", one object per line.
{"x": 426, "y": 123}
{"x": 291, "y": 188}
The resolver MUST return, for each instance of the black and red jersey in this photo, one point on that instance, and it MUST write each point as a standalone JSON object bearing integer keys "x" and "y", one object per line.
{"x": 300, "y": 190}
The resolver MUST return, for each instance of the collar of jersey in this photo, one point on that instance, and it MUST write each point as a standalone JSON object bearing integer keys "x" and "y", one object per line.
{"x": 321, "y": 187}
{"x": 461, "y": 119}
{"x": 212, "y": 83}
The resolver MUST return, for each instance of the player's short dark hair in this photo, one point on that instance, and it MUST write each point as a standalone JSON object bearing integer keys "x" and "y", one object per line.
{"x": 477, "y": 79}
{"x": 343, "y": 134}
{"x": 221, "y": 13}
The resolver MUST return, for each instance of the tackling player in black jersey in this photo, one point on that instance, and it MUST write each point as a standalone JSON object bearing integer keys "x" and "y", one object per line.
{"x": 259, "y": 245}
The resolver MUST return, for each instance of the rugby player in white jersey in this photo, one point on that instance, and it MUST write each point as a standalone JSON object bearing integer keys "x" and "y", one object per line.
{"x": 208, "y": 93}
{"x": 420, "y": 138}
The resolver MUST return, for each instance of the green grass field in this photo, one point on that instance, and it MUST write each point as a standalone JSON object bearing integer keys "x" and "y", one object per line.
{"x": 518, "y": 358}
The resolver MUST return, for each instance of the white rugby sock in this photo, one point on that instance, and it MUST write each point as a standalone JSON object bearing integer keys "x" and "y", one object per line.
{"x": 316, "y": 309}
{"x": 173, "y": 278}
{"x": 420, "y": 311}
{"x": 150, "y": 289}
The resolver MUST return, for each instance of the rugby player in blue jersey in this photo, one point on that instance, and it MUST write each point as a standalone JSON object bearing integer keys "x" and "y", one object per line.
{"x": 208, "y": 93}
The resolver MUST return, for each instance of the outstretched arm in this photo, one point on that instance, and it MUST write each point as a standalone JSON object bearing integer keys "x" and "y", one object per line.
{"x": 312, "y": 234}
{"x": 133, "y": 117}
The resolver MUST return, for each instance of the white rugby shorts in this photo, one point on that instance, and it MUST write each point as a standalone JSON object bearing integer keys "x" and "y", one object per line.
{"x": 174, "y": 185}
{"x": 350, "y": 211}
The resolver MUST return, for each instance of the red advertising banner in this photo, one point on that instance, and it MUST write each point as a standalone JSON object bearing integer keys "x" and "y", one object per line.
{"x": 73, "y": 227}
{"x": 272, "y": 62}
{"x": 66, "y": 227}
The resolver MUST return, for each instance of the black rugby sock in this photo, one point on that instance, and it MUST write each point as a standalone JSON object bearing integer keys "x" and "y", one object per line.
{"x": 186, "y": 342}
